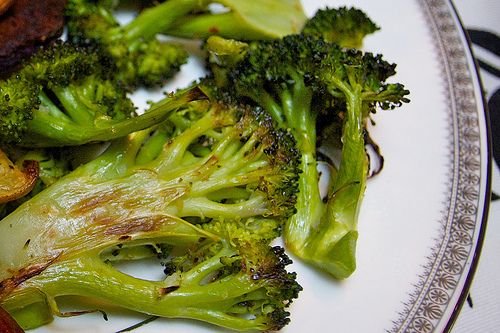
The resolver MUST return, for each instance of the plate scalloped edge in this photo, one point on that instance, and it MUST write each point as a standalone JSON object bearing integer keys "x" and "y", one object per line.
{"x": 443, "y": 285}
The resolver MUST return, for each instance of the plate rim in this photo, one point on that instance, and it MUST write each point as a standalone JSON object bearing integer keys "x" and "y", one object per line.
{"x": 426, "y": 316}
{"x": 464, "y": 296}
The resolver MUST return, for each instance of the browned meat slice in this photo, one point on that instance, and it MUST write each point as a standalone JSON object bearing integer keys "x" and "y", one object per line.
{"x": 26, "y": 26}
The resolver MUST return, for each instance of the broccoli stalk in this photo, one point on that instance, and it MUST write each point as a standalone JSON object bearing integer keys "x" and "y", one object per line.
{"x": 360, "y": 79}
{"x": 214, "y": 173}
{"x": 298, "y": 79}
{"x": 144, "y": 60}
{"x": 274, "y": 75}
{"x": 243, "y": 20}
{"x": 65, "y": 95}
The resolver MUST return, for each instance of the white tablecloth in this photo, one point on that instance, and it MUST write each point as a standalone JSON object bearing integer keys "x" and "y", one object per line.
{"x": 482, "y": 313}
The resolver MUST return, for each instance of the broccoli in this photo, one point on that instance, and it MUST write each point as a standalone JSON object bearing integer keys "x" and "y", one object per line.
{"x": 279, "y": 76}
{"x": 66, "y": 95}
{"x": 344, "y": 26}
{"x": 298, "y": 79}
{"x": 360, "y": 79}
{"x": 142, "y": 59}
{"x": 238, "y": 258}
{"x": 242, "y": 20}
{"x": 216, "y": 182}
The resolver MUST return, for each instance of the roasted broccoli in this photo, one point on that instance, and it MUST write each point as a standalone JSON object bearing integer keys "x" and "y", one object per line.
{"x": 280, "y": 76}
{"x": 298, "y": 78}
{"x": 66, "y": 95}
{"x": 242, "y": 20}
{"x": 142, "y": 59}
{"x": 251, "y": 272}
{"x": 216, "y": 180}
{"x": 360, "y": 79}
{"x": 344, "y": 26}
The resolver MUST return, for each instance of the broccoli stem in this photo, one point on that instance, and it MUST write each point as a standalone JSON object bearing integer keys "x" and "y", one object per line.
{"x": 48, "y": 107}
{"x": 75, "y": 107}
{"x": 310, "y": 206}
{"x": 80, "y": 126}
{"x": 206, "y": 208}
{"x": 180, "y": 295}
{"x": 332, "y": 244}
{"x": 152, "y": 21}
{"x": 244, "y": 20}
{"x": 226, "y": 24}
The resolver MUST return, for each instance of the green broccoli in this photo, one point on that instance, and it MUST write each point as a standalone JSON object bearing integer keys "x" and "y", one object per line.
{"x": 142, "y": 59}
{"x": 66, "y": 95}
{"x": 279, "y": 76}
{"x": 297, "y": 79}
{"x": 242, "y": 20}
{"x": 240, "y": 257}
{"x": 344, "y": 26}
{"x": 216, "y": 181}
{"x": 360, "y": 79}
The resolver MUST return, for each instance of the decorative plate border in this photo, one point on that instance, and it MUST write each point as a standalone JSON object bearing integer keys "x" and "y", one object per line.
{"x": 447, "y": 264}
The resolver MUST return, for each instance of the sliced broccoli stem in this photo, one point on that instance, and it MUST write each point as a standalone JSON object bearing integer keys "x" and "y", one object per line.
{"x": 205, "y": 208}
{"x": 181, "y": 295}
{"x": 64, "y": 130}
{"x": 332, "y": 244}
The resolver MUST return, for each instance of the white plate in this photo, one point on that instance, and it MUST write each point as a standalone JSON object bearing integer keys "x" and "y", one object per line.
{"x": 423, "y": 217}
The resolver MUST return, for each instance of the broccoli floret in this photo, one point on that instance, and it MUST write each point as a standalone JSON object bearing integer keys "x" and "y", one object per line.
{"x": 299, "y": 79}
{"x": 215, "y": 173}
{"x": 143, "y": 60}
{"x": 279, "y": 76}
{"x": 242, "y": 20}
{"x": 66, "y": 95}
{"x": 344, "y": 26}
{"x": 140, "y": 57}
{"x": 253, "y": 273}
{"x": 360, "y": 78}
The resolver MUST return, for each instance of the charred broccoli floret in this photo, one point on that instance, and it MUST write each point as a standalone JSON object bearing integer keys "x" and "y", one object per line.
{"x": 252, "y": 272}
{"x": 140, "y": 57}
{"x": 214, "y": 174}
{"x": 66, "y": 95}
{"x": 297, "y": 79}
